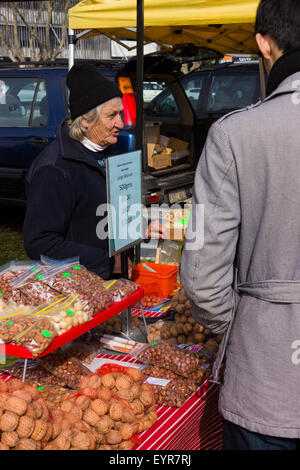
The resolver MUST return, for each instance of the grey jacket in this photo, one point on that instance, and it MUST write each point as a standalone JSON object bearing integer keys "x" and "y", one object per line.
{"x": 244, "y": 277}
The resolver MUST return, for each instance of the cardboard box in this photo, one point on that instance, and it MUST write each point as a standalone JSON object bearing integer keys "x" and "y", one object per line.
{"x": 176, "y": 222}
{"x": 179, "y": 148}
{"x": 157, "y": 160}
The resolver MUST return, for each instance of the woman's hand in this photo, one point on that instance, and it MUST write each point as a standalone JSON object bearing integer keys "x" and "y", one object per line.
{"x": 156, "y": 230}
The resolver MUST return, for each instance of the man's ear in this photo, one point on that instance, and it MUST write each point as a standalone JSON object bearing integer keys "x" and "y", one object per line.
{"x": 264, "y": 45}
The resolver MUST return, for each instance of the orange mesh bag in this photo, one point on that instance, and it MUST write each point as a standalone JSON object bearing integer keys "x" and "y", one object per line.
{"x": 24, "y": 417}
{"x": 107, "y": 400}
{"x": 69, "y": 432}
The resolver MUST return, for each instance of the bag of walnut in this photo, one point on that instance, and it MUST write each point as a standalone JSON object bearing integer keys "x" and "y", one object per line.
{"x": 69, "y": 432}
{"x": 25, "y": 422}
{"x": 170, "y": 356}
{"x": 116, "y": 404}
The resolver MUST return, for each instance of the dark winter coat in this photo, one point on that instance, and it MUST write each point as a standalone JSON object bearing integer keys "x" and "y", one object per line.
{"x": 66, "y": 187}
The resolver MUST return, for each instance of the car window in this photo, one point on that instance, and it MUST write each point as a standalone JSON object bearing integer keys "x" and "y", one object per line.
{"x": 151, "y": 90}
{"x": 23, "y": 102}
{"x": 231, "y": 91}
{"x": 192, "y": 85}
{"x": 163, "y": 104}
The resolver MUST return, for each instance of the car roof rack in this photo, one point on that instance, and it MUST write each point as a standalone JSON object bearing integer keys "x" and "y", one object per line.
{"x": 107, "y": 63}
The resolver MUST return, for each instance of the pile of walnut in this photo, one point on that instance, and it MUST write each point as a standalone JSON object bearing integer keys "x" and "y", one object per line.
{"x": 24, "y": 417}
{"x": 27, "y": 423}
{"x": 184, "y": 330}
{"x": 116, "y": 406}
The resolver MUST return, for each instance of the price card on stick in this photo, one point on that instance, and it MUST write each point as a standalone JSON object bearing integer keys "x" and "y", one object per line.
{"x": 124, "y": 197}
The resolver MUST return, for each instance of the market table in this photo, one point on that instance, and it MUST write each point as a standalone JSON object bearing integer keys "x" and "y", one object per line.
{"x": 197, "y": 425}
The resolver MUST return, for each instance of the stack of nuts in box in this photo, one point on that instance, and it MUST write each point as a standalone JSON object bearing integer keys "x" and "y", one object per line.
{"x": 116, "y": 405}
{"x": 184, "y": 329}
{"x": 174, "y": 373}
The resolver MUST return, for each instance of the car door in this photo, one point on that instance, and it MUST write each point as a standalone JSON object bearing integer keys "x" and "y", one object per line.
{"x": 27, "y": 125}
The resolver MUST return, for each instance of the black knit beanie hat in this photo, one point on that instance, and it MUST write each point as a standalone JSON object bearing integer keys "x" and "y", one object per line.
{"x": 88, "y": 88}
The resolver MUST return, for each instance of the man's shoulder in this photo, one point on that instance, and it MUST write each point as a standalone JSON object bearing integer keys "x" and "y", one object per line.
{"x": 241, "y": 113}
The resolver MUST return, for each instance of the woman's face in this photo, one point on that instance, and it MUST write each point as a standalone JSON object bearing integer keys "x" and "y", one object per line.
{"x": 106, "y": 130}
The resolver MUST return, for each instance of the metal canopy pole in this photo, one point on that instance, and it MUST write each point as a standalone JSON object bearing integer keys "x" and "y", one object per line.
{"x": 71, "y": 44}
{"x": 139, "y": 132}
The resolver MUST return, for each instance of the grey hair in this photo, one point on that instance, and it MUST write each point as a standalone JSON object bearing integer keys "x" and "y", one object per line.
{"x": 76, "y": 130}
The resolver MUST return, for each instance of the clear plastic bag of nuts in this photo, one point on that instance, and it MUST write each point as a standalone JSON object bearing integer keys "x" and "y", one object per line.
{"x": 173, "y": 392}
{"x": 67, "y": 369}
{"x": 170, "y": 356}
{"x": 119, "y": 289}
{"x": 9, "y": 273}
{"x": 65, "y": 313}
{"x": 69, "y": 278}
{"x": 36, "y": 335}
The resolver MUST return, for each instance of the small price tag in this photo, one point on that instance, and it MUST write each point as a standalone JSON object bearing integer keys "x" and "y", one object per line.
{"x": 157, "y": 381}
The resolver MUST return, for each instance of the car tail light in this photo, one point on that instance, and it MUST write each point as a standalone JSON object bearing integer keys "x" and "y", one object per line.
{"x": 153, "y": 198}
{"x": 128, "y": 101}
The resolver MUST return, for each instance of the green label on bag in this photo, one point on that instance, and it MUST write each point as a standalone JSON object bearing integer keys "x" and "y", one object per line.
{"x": 76, "y": 267}
{"x": 40, "y": 388}
{"x": 153, "y": 344}
{"x": 39, "y": 276}
{"x": 66, "y": 274}
{"x": 46, "y": 333}
{"x": 70, "y": 312}
{"x": 8, "y": 323}
{"x": 0, "y": 292}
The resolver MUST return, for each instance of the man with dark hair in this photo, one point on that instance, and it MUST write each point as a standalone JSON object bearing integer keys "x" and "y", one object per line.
{"x": 244, "y": 279}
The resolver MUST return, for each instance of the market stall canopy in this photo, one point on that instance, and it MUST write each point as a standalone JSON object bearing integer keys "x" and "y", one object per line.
{"x": 224, "y": 25}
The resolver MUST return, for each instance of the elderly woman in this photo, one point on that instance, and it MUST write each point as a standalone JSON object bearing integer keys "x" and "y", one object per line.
{"x": 67, "y": 182}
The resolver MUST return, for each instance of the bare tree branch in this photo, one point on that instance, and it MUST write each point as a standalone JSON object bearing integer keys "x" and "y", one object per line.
{"x": 10, "y": 45}
{"x": 59, "y": 48}
{"x": 8, "y": 48}
{"x": 32, "y": 33}
{"x": 47, "y": 52}
{"x": 18, "y": 48}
